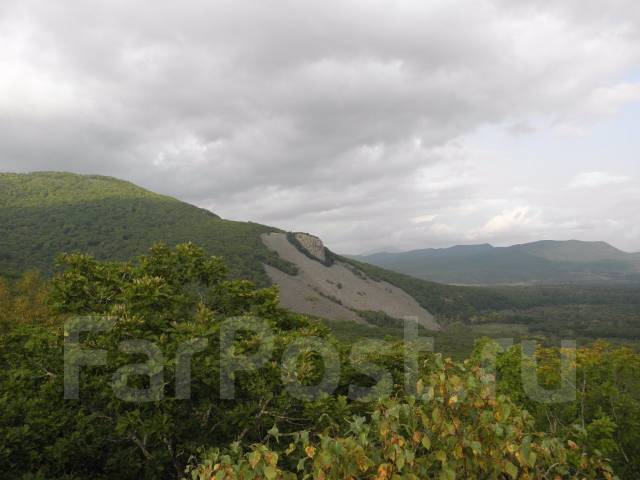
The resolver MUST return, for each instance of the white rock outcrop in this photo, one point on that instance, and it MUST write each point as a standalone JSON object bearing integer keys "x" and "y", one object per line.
{"x": 312, "y": 244}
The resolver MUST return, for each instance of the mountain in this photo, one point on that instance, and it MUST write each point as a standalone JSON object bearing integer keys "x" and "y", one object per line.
{"x": 45, "y": 213}
{"x": 545, "y": 261}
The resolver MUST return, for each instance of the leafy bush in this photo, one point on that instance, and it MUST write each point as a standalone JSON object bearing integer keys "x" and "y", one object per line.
{"x": 454, "y": 428}
{"x": 605, "y": 414}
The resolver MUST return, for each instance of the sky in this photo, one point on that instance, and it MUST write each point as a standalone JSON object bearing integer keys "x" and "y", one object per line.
{"x": 376, "y": 125}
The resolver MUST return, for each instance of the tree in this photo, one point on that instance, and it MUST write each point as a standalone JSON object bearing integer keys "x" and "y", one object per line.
{"x": 454, "y": 428}
{"x": 167, "y": 298}
{"x": 605, "y": 414}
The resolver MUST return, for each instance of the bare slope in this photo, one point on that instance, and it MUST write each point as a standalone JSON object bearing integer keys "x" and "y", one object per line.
{"x": 335, "y": 291}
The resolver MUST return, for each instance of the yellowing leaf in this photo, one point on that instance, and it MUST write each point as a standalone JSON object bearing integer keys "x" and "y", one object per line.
{"x": 511, "y": 469}
{"x": 254, "y": 458}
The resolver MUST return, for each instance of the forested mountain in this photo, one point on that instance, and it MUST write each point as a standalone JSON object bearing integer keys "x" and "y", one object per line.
{"x": 46, "y": 213}
{"x": 545, "y": 261}
{"x": 43, "y": 214}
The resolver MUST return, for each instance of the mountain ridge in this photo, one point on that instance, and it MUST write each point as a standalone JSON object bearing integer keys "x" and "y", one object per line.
{"x": 543, "y": 261}
{"x": 45, "y": 213}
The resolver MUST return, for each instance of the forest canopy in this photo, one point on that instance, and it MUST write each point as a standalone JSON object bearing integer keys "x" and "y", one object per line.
{"x": 455, "y": 423}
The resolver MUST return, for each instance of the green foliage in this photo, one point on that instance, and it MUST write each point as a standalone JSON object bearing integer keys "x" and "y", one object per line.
{"x": 168, "y": 297}
{"x": 23, "y": 301}
{"x": 447, "y": 302}
{"x": 381, "y": 319}
{"x": 605, "y": 415}
{"x": 615, "y": 316}
{"x": 455, "y": 428}
{"x": 43, "y": 214}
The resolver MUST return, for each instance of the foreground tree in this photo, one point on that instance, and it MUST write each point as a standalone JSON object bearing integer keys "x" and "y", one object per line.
{"x": 135, "y": 415}
{"x": 604, "y": 414}
{"x": 165, "y": 300}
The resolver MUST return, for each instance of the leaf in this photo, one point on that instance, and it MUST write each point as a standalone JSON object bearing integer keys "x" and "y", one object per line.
{"x": 254, "y": 458}
{"x": 527, "y": 455}
{"x": 447, "y": 473}
{"x": 270, "y": 472}
{"x": 274, "y": 432}
{"x": 476, "y": 447}
{"x": 426, "y": 442}
{"x": 504, "y": 410}
{"x": 511, "y": 469}
{"x": 436, "y": 415}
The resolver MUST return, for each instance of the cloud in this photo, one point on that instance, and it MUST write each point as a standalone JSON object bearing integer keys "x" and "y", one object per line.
{"x": 424, "y": 218}
{"x": 514, "y": 221}
{"x": 607, "y": 100}
{"x": 597, "y": 179}
{"x": 338, "y": 117}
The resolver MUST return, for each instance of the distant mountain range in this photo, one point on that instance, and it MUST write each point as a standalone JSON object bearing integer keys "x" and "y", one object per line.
{"x": 543, "y": 262}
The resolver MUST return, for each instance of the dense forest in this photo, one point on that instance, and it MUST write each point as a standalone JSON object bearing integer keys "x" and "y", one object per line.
{"x": 43, "y": 214}
{"x": 134, "y": 417}
{"x": 586, "y": 311}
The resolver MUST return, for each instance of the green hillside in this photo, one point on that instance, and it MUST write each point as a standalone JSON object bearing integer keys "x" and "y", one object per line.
{"x": 45, "y": 213}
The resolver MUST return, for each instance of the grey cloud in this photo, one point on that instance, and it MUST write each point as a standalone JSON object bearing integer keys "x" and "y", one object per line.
{"x": 316, "y": 116}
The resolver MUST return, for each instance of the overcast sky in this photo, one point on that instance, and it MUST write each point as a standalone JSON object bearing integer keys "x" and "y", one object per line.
{"x": 372, "y": 124}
